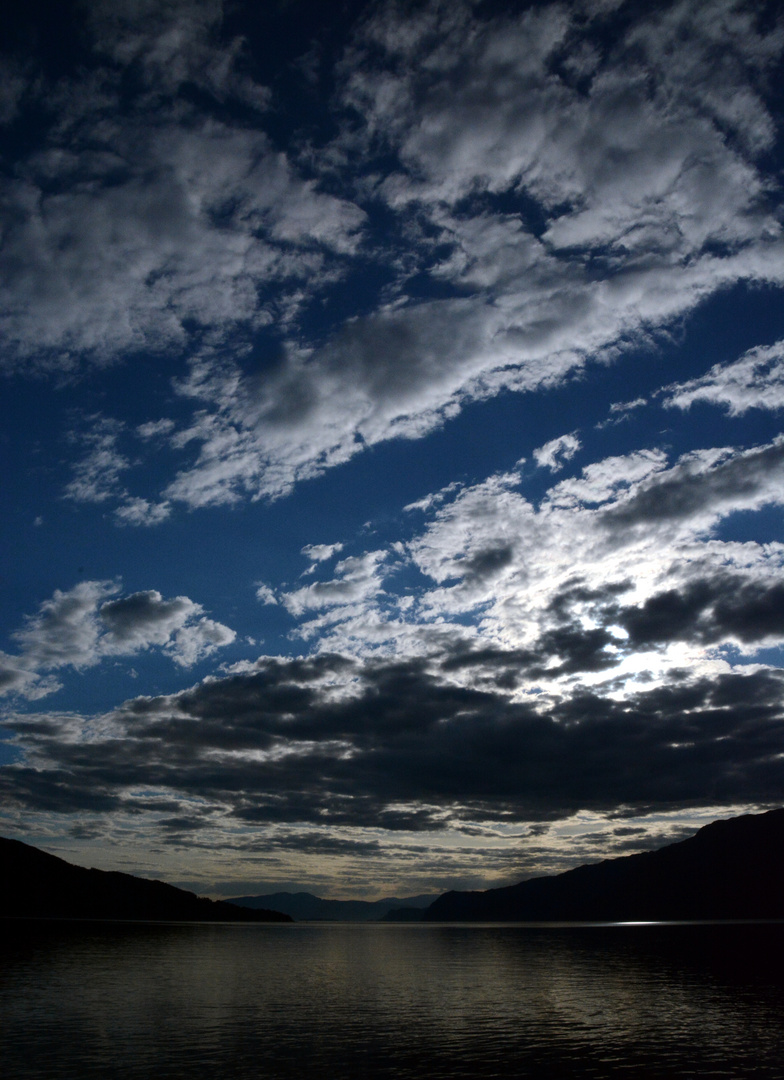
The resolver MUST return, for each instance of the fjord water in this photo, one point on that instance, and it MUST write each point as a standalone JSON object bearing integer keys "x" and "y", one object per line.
{"x": 250, "y": 1002}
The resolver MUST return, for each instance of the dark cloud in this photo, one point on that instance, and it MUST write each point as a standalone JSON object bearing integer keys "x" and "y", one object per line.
{"x": 486, "y": 564}
{"x": 563, "y": 650}
{"x": 400, "y": 749}
{"x": 690, "y": 488}
{"x": 708, "y": 610}
{"x": 578, "y": 650}
{"x": 142, "y": 611}
{"x": 578, "y": 592}
{"x": 62, "y": 791}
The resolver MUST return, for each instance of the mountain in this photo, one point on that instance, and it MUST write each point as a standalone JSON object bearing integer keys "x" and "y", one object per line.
{"x": 731, "y": 869}
{"x": 304, "y": 905}
{"x": 38, "y": 885}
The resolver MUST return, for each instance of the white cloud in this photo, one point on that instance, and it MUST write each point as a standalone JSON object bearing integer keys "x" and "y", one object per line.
{"x": 648, "y": 208}
{"x": 138, "y": 511}
{"x": 155, "y": 428}
{"x": 607, "y": 479}
{"x": 88, "y": 623}
{"x": 320, "y": 552}
{"x": 66, "y": 630}
{"x": 358, "y": 579}
{"x": 555, "y": 452}
{"x": 197, "y": 640}
{"x": 265, "y": 594}
{"x": 754, "y": 381}
{"x": 559, "y": 582}
{"x": 627, "y": 406}
{"x": 96, "y": 475}
{"x": 634, "y": 189}
{"x": 167, "y": 223}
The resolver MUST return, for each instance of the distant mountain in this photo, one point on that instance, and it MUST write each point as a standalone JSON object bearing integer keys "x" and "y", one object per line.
{"x": 304, "y": 905}
{"x": 730, "y": 869}
{"x": 403, "y": 914}
{"x": 38, "y": 885}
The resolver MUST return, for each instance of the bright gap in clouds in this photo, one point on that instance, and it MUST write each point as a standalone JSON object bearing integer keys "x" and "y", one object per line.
{"x": 392, "y": 435}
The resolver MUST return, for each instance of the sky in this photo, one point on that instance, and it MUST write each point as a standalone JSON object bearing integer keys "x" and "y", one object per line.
{"x": 390, "y": 419}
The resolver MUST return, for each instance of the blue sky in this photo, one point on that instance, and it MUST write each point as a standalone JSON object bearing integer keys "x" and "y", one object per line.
{"x": 391, "y": 435}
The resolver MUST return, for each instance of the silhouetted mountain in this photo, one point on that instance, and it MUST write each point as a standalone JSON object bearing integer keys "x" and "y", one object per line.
{"x": 38, "y": 885}
{"x": 730, "y": 869}
{"x": 304, "y": 905}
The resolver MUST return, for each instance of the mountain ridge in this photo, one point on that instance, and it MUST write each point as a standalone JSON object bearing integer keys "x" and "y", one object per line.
{"x": 40, "y": 885}
{"x": 730, "y": 869}
{"x": 305, "y": 905}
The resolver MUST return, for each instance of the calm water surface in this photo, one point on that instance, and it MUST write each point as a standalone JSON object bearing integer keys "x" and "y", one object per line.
{"x": 128, "y": 1001}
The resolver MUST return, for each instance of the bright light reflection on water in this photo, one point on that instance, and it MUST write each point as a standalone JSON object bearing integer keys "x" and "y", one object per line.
{"x": 130, "y": 1001}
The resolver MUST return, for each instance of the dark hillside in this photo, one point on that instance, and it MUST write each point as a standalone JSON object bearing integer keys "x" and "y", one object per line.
{"x": 730, "y": 869}
{"x": 38, "y": 885}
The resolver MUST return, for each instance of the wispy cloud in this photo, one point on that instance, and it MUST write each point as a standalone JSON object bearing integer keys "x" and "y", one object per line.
{"x": 754, "y": 381}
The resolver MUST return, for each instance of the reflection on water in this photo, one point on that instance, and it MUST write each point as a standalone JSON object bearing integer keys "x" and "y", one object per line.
{"x": 122, "y": 1000}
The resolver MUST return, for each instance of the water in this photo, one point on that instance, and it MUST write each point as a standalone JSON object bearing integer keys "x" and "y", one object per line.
{"x": 257, "y": 1002}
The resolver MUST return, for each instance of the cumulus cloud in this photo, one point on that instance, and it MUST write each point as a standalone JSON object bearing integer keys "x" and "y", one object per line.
{"x": 198, "y": 639}
{"x": 621, "y": 154}
{"x": 556, "y": 661}
{"x": 82, "y": 626}
{"x": 705, "y": 486}
{"x": 490, "y": 200}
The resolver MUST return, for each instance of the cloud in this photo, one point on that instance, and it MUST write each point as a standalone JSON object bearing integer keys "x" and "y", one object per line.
{"x": 319, "y": 552}
{"x": 155, "y": 428}
{"x": 138, "y": 511}
{"x": 265, "y": 594}
{"x": 198, "y": 639}
{"x": 65, "y": 631}
{"x": 704, "y": 486}
{"x": 754, "y": 381}
{"x": 173, "y": 42}
{"x": 709, "y": 610}
{"x": 638, "y": 229}
{"x": 83, "y": 626}
{"x": 554, "y": 188}
{"x": 402, "y": 749}
{"x": 533, "y": 597}
{"x": 139, "y": 220}
{"x": 96, "y": 475}
{"x": 143, "y": 619}
{"x": 358, "y": 579}
{"x": 557, "y": 451}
